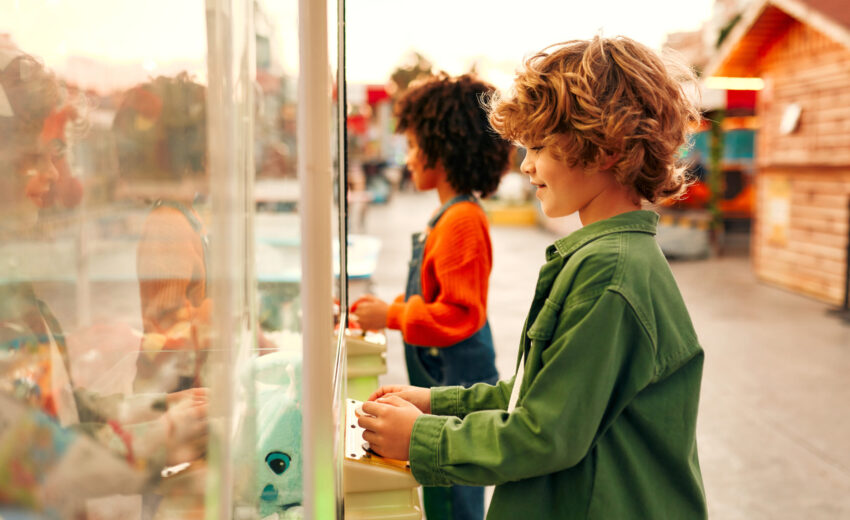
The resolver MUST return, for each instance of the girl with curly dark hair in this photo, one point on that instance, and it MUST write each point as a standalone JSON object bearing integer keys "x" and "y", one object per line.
{"x": 443, "y": 314}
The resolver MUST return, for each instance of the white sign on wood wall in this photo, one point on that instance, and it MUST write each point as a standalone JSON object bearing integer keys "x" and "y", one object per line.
{"x": 777, "y": 214}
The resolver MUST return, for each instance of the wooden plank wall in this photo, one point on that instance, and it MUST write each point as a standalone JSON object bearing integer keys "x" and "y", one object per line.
{"x": 813, "y": 261}
{"x": 805, "y": 67}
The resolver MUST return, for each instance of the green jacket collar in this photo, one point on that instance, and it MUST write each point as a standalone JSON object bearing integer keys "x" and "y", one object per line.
{"x": 641, "y": 221}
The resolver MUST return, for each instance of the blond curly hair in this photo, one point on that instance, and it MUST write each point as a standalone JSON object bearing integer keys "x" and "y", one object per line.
{"x": 608, "y": 103}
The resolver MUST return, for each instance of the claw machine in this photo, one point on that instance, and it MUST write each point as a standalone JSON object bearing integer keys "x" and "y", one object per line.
{"x": 172, "y": 243}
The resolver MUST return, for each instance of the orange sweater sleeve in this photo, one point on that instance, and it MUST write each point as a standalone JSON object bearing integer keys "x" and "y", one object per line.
{"x": 455, "y": 276}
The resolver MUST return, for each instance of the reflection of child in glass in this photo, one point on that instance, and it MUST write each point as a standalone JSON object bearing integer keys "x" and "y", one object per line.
{"x": 160, "y": 134}
{"x": 36, "y": 368}
{"x": 599, "y": 421}
{"x": 443, "y": 314}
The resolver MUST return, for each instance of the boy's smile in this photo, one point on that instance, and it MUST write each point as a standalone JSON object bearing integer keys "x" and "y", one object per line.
{"x": 564, "y": 189}
{"x": 26, "y": 187}
{"x": 41, "y": 174}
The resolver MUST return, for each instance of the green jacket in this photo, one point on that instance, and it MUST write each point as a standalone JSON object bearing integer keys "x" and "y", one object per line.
{"x": 605, "y": 424}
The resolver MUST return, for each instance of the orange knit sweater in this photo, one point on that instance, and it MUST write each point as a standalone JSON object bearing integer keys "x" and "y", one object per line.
{"x": 455, "y": 275}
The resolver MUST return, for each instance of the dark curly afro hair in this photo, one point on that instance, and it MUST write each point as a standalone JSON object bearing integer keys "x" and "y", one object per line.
{"x": 449, "y": 119}
{"x": 173, "y": 143}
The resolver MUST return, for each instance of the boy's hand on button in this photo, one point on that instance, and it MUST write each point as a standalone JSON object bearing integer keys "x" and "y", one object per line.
{"x": 417, "y": 396}
{"x": 370, "y": 312}
{"x": 388, "y": 426}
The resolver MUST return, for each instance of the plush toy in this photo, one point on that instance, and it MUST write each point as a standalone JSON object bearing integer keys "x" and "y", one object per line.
{"x": 278, "y": 462}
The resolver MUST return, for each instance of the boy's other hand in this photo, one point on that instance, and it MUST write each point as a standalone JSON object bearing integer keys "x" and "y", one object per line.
{"x": 371, "y": 312}
{"x": 417, "y": 396}
{"x": 390, "y": 425}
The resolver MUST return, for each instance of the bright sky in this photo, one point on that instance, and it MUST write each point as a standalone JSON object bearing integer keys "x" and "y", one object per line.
{"x": 497, "y": 34}
{"x": 121, "y": 41}
{"x": 155, "y": 36}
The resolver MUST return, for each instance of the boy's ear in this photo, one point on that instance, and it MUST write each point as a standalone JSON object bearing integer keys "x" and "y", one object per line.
{"x": 606, "y": 162}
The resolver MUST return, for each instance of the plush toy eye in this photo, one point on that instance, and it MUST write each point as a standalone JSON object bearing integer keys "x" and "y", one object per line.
{"x": 278, "y": 461}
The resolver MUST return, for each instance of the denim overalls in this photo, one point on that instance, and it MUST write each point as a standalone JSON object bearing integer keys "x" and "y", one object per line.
{"x": 470, "y": 361}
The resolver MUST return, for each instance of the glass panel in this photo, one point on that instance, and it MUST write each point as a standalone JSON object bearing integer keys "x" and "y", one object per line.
{"x": 336, "y": 51}
{"x": 111, "y": 243}
{"x": 275, "y": 466}
{"x": 150, "y": 286}
{"x": 230, "y": 491}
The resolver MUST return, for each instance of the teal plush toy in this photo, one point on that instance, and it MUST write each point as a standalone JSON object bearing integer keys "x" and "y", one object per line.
{"x": 278, "y": 463}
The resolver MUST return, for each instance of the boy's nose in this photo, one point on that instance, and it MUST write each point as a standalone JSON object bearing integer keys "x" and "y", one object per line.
{"x": 527, "y": 166}
{"x": 47, "y": 170}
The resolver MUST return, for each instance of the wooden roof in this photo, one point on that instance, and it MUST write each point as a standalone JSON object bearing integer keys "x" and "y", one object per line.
{"x": 837, "y": 10}
{"x": 765, "y": 21}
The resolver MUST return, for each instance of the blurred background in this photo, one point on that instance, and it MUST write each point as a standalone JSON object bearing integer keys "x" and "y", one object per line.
{"x": 759, "y": 245}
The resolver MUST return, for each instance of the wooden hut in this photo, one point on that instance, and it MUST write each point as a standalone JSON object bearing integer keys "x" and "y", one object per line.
{"x": 801, "y": 50}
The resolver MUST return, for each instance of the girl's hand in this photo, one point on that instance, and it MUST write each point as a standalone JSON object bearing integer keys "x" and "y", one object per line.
{"x": 371, "y": 312}
{"x": 418, "y": 397}
{"x": 389, "y": 427}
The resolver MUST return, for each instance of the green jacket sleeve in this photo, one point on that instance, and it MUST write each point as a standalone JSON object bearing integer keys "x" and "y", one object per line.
{"x": 582, "y": 369}
{"x": 458, "y": 401}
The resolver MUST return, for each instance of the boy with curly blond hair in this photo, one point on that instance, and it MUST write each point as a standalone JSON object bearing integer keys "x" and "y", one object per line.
{"x": 599, "y": 421}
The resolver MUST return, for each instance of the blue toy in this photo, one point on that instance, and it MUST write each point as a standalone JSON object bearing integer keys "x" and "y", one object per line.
{"x": 278, "y": 464}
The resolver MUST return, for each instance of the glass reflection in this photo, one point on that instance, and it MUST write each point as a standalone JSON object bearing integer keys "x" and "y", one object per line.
{"x": 77, "y": 440}
{"x": 277, "y": 464}
{"x": 160, "y": 138}
{"x": 106, "y": 220}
